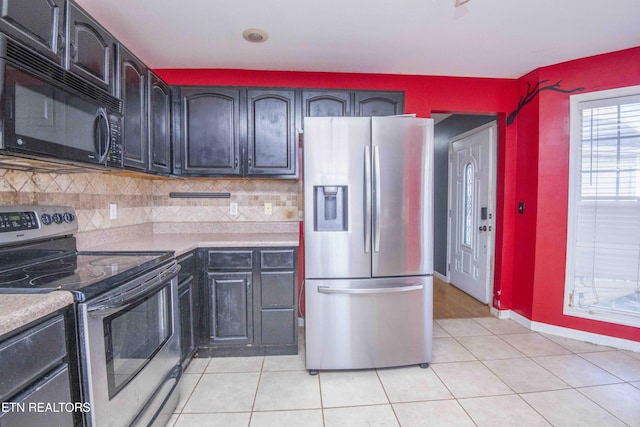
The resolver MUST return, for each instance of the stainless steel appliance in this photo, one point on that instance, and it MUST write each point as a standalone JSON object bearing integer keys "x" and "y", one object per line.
{"x": 127, "y": 312}
{"x": 49, "y": 113}
{"x": 368, "y": 228}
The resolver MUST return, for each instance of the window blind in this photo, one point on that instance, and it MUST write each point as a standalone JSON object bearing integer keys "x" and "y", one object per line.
{"x": 606, "y": 264}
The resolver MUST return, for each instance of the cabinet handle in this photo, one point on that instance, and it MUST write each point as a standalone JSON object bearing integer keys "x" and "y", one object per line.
{"x": 72, "y": 50}
{"x": 250, "y": 162}
{"x": 60, "y": 42}
{"x": 235, "y": 163}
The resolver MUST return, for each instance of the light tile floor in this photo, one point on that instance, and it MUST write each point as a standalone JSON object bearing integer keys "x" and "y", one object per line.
{"x": 485, "y": 372}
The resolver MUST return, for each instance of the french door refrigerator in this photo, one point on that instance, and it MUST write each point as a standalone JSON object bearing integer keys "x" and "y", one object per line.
{"x": 368, "y": 233}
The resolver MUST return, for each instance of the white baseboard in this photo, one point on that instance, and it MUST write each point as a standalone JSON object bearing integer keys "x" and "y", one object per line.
{"x": 574, "y": 334}
{"x": 500, "y": 314}
{"x": 519, "y": 319}
{"x": 440, "y": 276}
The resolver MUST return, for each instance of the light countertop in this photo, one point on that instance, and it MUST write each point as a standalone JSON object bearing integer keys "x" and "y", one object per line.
{"x": 182, "y": 243}
{"x": 17, "y": 310}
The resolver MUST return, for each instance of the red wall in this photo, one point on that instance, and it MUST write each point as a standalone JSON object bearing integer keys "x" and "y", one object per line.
{"x": 526, "y": 188}
{"x": 423, "y": 95}
{"x": 532, "y": 161}
{"x": 542, "y": 182}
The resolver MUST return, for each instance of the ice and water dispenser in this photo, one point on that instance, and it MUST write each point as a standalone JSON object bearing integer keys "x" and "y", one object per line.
{"x": 330, "y": 203}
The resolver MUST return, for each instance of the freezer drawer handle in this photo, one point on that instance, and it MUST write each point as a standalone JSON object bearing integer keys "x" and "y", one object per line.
{"x": 329, "y": 290}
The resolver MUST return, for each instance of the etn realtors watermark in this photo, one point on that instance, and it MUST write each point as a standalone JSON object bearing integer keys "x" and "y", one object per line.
{"x": 45, "y": 407}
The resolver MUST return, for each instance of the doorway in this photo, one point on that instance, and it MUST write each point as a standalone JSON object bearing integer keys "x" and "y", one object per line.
{"x": 472, "y": 182}
{"x": 450, "y": 127}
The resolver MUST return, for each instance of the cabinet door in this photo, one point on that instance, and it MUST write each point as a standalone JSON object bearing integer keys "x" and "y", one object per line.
{"x": 159, "y": 106}
{"x": 326, "y": 103}
{"x": 132, "y": 83}
{"x": 230, "y": 308}
{"x": 38, "y": 23}
{"x": 369, "y": 104}
{"x": 89, "y": 48}
{"x": 210, "y": 140}
{"x": 271, "y": 141}
{"x": 187, "y": 327}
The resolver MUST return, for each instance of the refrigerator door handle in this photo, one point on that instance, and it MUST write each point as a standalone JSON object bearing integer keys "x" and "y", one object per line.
{"x": 378, "y": 196}
{"x": 367, "y": 199}
{"x": 329, "y": 290}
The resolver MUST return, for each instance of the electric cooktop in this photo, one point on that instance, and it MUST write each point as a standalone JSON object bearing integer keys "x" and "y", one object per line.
{"x": 85, "y": 274}
{"x": 38, "y": 255}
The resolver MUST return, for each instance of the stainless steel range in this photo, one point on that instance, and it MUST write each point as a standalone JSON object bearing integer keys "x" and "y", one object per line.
{"x": 127, "y": 302}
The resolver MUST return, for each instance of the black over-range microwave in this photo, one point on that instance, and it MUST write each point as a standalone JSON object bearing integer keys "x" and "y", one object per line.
{"x": 49, "y": 113}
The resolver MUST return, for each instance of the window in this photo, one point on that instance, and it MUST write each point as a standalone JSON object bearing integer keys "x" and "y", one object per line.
{"x": 468, "y": 205}
{"x": 603, "y": 242}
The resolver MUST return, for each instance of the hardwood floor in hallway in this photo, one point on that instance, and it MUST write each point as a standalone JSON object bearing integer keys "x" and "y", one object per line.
{"x": 450, "y": 302}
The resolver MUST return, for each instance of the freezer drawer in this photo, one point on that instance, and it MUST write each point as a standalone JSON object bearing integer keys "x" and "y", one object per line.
{"x": 368, "y": 323}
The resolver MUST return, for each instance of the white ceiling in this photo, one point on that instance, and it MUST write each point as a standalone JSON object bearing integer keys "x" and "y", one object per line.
{"x": 483, "y": 38}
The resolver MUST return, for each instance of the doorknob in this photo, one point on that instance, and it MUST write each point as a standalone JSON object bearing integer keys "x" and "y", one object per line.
{"x": 483, "y": 228}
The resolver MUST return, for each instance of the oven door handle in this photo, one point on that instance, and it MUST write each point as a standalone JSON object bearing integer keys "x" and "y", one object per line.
{"x": 115, "y": 303}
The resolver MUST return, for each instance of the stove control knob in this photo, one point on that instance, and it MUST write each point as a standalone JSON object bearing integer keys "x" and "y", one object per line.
{"x": 68, "y": 217}
{"x": 46, "y": 219}
{"x": 57, "y": 218}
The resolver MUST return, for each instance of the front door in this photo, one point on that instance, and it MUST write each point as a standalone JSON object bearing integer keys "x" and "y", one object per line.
{"x": 472, "y": 168}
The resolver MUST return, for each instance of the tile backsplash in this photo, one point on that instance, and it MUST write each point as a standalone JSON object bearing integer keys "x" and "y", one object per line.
{"x": 141, "y": 199}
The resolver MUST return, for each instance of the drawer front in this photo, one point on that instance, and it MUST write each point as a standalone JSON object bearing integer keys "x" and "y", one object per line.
{"x": 230, "y": 260}
{"x": 277, "y": 289}
{"x": 52, "y": 389}
{"x": 27, "y": 356}
{"x": 277, "y": 258}
{"x": 279, "y": 326}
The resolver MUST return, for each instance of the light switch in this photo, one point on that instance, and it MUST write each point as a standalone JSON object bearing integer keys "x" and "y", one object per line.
{"x": 113, "y": 211}
{"x": 268, "y": 208}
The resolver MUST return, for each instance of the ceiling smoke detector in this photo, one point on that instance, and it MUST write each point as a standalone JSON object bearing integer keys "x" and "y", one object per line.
{"x": 255, "y": 35}
{"x": 461, "y": 2}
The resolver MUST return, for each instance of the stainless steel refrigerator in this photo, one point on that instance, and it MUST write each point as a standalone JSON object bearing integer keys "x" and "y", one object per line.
{"x": 368, "y": 233}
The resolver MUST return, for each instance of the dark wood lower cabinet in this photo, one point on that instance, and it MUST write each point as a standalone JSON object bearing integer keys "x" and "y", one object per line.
{"x": 230, "y": 308}
{"x": 249, "y": 302}
{"x": 188, "y": 303}
{"x": 39, "y": 366}
{"x": 187, "y": 321}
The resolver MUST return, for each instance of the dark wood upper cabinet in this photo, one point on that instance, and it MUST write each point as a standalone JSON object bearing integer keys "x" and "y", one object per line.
{"x": 132, "y": 84}
{"x": 89, "y": 48}
{"x": 210, "y": 131}
{"x": 326, "y": 103}
{"x": 227, "y": 131}
{"x": 271, "y": 142}
{"x": 369, "y": 104}
{"x": 38, "y": 23}
{"x": 159, "y": 116}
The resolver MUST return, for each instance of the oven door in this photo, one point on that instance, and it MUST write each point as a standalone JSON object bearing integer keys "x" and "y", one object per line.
{"x": 130, "y": 347}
